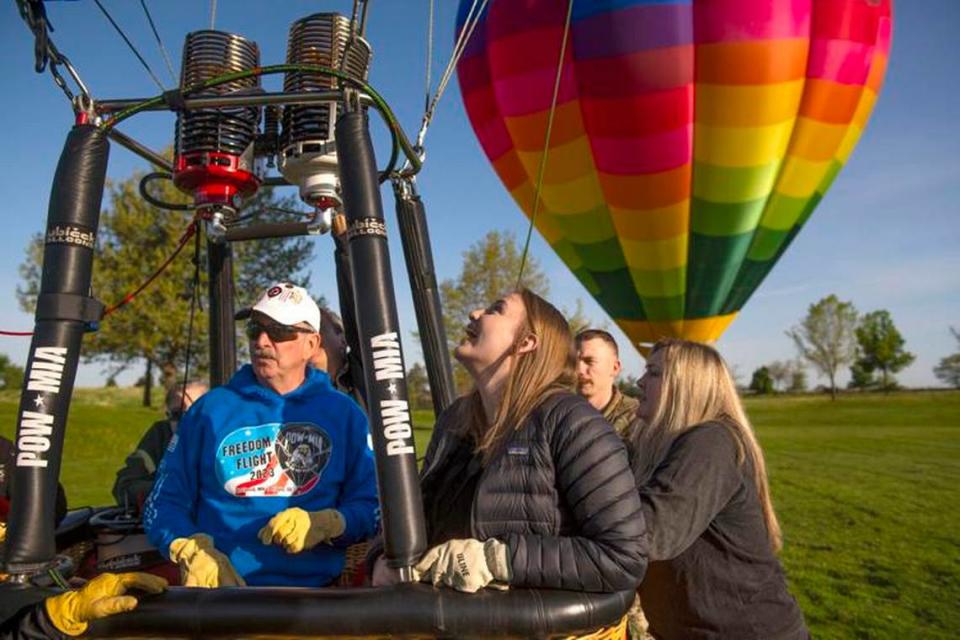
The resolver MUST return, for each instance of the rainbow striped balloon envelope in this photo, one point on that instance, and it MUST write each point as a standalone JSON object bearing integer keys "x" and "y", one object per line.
{"x": 691, "y": 139}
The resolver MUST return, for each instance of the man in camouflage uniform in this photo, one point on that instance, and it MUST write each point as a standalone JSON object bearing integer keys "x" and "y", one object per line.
{"x": 135, "y": 480}
{"x": 598, "y": 365}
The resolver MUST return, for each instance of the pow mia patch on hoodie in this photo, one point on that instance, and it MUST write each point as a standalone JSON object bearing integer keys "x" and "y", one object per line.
{"x": 274, "y": 459}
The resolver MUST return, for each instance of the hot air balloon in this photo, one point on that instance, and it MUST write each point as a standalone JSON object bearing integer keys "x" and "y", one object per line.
{"x": 690, "y": 139}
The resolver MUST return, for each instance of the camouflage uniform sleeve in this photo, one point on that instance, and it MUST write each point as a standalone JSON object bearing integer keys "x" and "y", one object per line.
{"x": 135, "y": 480}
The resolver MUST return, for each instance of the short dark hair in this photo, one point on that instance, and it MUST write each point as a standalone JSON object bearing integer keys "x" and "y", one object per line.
{"x": 328, "y": 315}
{"x": 597, "y": 334}
{"x": 176, "y": 393}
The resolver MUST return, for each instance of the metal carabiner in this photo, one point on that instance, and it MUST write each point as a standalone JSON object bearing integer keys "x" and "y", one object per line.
{"x": 76, "y": 77}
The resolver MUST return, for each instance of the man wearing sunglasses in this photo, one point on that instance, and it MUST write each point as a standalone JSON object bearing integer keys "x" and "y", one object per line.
{"x": 274, "y": 463}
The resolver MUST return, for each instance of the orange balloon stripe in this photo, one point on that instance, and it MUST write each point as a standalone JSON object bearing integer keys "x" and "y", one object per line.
{"x": 528, "y": 131}
{"x": 764, "y": 62}
{"x": 830, "y": 102}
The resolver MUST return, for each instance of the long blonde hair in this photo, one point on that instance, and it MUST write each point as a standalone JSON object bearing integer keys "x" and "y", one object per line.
{"x": 696, "y": 387}
{"x": 546, "y": 370}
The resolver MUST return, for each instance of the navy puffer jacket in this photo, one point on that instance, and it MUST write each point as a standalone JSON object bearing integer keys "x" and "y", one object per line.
{"x": 561, "y": 495}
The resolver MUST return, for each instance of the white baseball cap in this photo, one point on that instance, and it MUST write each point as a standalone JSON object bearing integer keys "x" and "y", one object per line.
{"x": 287, "y": 304}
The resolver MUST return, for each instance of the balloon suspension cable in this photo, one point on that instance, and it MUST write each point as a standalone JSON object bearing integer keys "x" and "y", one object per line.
{"x": 156, "y": 36}
{"x": 541, "y": 170}
{"x": 363, "y": 18}
{"x": 357, "y": 25}
{"x": 187, "y": 234}
{"x": 194, "y": 302}
{"x": 428, "y": 72}
{"x": 470, "y": 23}
{"x": 46, "y": 53}
{"x": 399, "y": 140}
{"x": 130, "y": 44}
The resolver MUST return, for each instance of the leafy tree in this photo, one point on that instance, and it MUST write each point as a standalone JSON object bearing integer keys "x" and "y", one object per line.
{"x": 418, "y": 387}
{"x": 826, "y": 337}
{"x": 579, "y": 320}
{"x": 134, "y": 239}
{"x": 629, "y": 386}
{"x": 860, "y": 378}
{"x": 881, "y": 347}
{"x": 798, "y": 378}
{"x": 11, "y": 375}
{"x": 489, "y": 270}
{"x": 779, "y": 371}
{"x": 948, "y": 369}
{"x": 761, "y": 382}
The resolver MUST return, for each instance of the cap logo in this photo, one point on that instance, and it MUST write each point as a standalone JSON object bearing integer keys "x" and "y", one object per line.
{"x": 273, "y": 292}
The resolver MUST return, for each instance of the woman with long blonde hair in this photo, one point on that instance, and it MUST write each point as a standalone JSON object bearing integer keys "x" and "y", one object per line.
{"x": 524, "y": 483}
{"x": 714, "y": 534}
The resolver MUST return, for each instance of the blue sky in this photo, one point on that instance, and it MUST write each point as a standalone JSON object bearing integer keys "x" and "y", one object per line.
{"x": 886, "y": 236}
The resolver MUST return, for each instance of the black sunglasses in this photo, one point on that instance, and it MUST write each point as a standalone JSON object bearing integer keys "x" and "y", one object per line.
{"x": 276, "y": 332}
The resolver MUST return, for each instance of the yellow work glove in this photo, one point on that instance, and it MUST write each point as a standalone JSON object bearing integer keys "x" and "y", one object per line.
{"x": 466, "y": 565}
{"x": 201, "y": 565}
{"x": 101, "y": 597}
{"x": 295, "y": 529}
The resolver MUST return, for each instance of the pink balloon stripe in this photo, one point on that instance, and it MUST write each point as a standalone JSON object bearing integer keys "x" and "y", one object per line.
{"x": 649, "y": 154}
{"x": 740, "y": 20}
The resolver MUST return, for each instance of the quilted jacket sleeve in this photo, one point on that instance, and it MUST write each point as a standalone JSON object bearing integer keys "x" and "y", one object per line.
{"x": 593, "y": 477}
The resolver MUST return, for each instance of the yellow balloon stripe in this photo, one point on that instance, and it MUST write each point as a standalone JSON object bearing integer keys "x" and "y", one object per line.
{"x": 699, "y": 329}
{"x": 738, "y": 106}
{"x": 656, "y": 254}
{"x": 741, "y": 146}
{"x": 661, "y": 223}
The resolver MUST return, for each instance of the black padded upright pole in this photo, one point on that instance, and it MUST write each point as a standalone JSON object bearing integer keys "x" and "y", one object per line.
{"x": 391, "y": 426}
{"x": 223, "y": 337}
{"x": 412, "y": 220}
{"x": 348, "y": 306}
{"x": 64, "y": 307}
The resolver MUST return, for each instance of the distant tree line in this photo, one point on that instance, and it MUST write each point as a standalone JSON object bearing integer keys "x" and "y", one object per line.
{"x": 833, "y": 335}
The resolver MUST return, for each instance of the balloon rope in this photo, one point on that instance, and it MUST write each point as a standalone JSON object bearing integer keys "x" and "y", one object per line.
{"x": 132, "y": 47}
{"x": 546, "y": 143}
{"x": 470, "y": 23}
{"x": 428, "y": 72}
{"x": 156, "y": 36}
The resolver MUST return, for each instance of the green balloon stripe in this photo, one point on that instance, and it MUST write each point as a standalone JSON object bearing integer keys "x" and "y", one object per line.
{"x": 617, "y": 295}
{"x": 713, "y": 266}
{"x": 662, "y": 309}
{"x": 658, "y": 283}
{"x": 724, "y": 218}
{"x": 588, "y": 228}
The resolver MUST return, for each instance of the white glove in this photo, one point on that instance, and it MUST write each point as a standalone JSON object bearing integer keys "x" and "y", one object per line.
{"x": 466, "y": 565}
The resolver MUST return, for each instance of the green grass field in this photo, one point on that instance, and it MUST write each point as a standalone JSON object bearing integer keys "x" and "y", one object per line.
{"x": 866, "y": 489}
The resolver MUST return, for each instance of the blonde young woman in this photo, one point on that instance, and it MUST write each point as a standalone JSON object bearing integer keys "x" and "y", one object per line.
{"x": 524, "y": 483}
{"x": 714, "y": 536}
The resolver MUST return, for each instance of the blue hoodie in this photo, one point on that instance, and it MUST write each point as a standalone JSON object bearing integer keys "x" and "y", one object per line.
{"x": 244, "y": 453}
